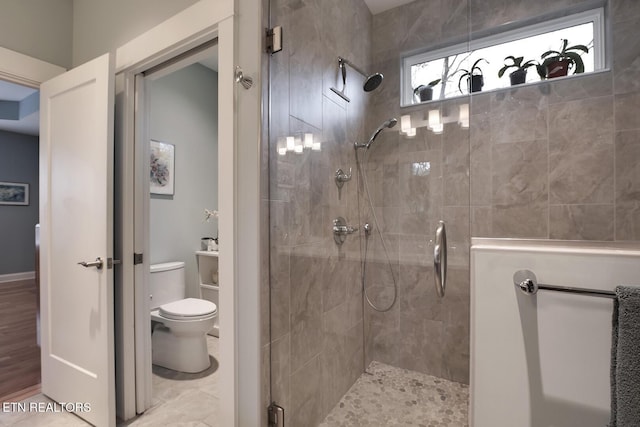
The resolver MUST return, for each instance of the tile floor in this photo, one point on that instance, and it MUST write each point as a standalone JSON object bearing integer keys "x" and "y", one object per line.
{"x": 389, "y": 396}
{"x": 385, "y": 396}
{"x": 179, "y": 400}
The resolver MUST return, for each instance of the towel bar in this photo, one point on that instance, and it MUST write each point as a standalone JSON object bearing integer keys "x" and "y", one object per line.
{"x": 528, "y": 283}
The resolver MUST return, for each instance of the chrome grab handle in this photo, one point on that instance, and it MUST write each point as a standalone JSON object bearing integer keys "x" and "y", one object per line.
{"x": 440, "y": 259}
{"x": 97, "y": 263}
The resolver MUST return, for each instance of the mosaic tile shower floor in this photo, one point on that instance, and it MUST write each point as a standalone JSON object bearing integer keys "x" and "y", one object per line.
{"x": 398, "y": 397}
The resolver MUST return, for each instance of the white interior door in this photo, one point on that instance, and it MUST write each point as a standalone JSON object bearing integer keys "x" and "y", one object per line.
{"x": 76, "y": 217}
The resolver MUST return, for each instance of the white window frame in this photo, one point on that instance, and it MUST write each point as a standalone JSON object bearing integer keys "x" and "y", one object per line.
{"x": 593, "y": 15}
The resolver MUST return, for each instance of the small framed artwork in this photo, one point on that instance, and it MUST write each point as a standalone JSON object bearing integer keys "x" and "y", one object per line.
{"x": 162, "y": 168}
{"x": 14, "y": 193}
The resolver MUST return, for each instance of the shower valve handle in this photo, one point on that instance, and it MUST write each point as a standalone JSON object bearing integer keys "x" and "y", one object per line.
{"x": 344, "y": 229}
{"x": 341, "y": 230}
{"x": 341, "y": 177}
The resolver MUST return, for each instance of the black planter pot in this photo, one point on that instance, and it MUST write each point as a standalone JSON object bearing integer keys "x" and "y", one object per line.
{"x": 558, "y": 68}
{"x": 475, "y": 83}
{"x": 423, "y": 93}
{"x": 518, "y": 77}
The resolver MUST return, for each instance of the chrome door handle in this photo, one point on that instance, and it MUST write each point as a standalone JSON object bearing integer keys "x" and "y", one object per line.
{"x": 97, "y": 263}
{"x": 440, "y": 259}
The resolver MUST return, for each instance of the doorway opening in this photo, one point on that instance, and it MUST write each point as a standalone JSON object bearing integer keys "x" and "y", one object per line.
{"x": 19, "y": 298}
{"x": 177, "y": 134}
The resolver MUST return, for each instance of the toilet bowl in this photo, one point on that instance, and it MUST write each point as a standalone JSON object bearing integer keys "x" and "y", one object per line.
{"x": 179, "y": 325}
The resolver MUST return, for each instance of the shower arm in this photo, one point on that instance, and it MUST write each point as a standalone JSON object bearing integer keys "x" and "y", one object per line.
{"x": 341, "y": 60}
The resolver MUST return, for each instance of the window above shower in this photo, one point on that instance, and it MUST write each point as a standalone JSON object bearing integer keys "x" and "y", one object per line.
{"x": 528, "y": 54}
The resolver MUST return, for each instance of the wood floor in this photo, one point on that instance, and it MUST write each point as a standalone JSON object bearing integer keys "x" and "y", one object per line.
{"x": 19, "y": 352}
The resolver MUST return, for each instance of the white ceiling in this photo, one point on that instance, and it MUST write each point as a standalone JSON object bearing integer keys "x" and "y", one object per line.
{"x": 30, "y": 124}
{"x": 379, "y": 6}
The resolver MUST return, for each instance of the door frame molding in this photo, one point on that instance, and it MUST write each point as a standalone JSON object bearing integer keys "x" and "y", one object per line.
{"x": 190, "y": 28}
{"x": 25, "y": 70}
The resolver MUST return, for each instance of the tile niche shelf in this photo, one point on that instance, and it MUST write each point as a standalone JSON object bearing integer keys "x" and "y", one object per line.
{"x": 208, "y": 281}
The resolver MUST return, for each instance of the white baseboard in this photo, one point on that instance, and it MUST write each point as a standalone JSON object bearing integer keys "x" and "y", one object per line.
{"x": 14, "y": 277}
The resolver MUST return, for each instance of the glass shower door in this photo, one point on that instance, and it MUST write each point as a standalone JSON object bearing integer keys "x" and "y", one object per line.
{"x": 327, "y": 343}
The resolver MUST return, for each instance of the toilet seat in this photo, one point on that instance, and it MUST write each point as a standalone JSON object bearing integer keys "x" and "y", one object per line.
{"x": 188, "y": 309}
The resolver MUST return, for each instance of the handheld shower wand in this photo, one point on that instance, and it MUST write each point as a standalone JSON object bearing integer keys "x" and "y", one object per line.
{"x": 386, "y": 125}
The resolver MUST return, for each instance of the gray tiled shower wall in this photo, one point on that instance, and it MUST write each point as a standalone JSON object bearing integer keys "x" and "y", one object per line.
{"x": 557, "y": 160}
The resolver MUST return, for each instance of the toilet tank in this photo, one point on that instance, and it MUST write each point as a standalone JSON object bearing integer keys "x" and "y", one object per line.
{"x": 167, "y": 283}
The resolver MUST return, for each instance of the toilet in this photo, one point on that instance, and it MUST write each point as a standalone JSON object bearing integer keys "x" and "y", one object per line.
{"x": 179, "y": 324}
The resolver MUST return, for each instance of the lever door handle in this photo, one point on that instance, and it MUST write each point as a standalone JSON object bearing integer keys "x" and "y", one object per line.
{"x": 440, "y": 259}
{"x": 97, "y": 263}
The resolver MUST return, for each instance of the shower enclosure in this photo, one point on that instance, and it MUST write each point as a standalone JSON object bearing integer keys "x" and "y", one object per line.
{"x": 550, "y": 159}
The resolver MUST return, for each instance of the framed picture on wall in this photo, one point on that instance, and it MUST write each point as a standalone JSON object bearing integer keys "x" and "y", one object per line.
{"x": 14, "y": 193}
{"x": 162, "y": 176}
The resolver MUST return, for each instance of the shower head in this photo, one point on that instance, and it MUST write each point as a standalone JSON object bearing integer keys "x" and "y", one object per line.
{"x": 386, "y": 125}
{"x": 371, "y": 81}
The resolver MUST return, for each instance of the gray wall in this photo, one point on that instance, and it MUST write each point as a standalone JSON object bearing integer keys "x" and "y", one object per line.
{"x": 184, "y": 112}
{"x": 557, "y": 160}
{"x": 71, "y": 32}
{"x": 42, "y": 29}
{"x": 18, "y": 163}
{"x": 101, "y": 26}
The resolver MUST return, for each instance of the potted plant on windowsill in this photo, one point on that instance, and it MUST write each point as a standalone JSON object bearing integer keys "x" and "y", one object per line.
{"x": 518, "y": 76}
{"x": 475, "y": 79}
{"x": 425, "y": 92}
{"x": 558, "y": 63}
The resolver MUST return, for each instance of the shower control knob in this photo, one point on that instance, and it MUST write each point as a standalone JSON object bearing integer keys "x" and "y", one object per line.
{"x": 341, "y": 177}
{"x": 341, "y": 230}
{"x": 344, "y": 229}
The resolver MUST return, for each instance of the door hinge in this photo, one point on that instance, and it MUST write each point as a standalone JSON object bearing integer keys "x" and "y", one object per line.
{"x": 276, "y": 415}
{"x": 274, "y": 39}
{"x": 137, "y": 259}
